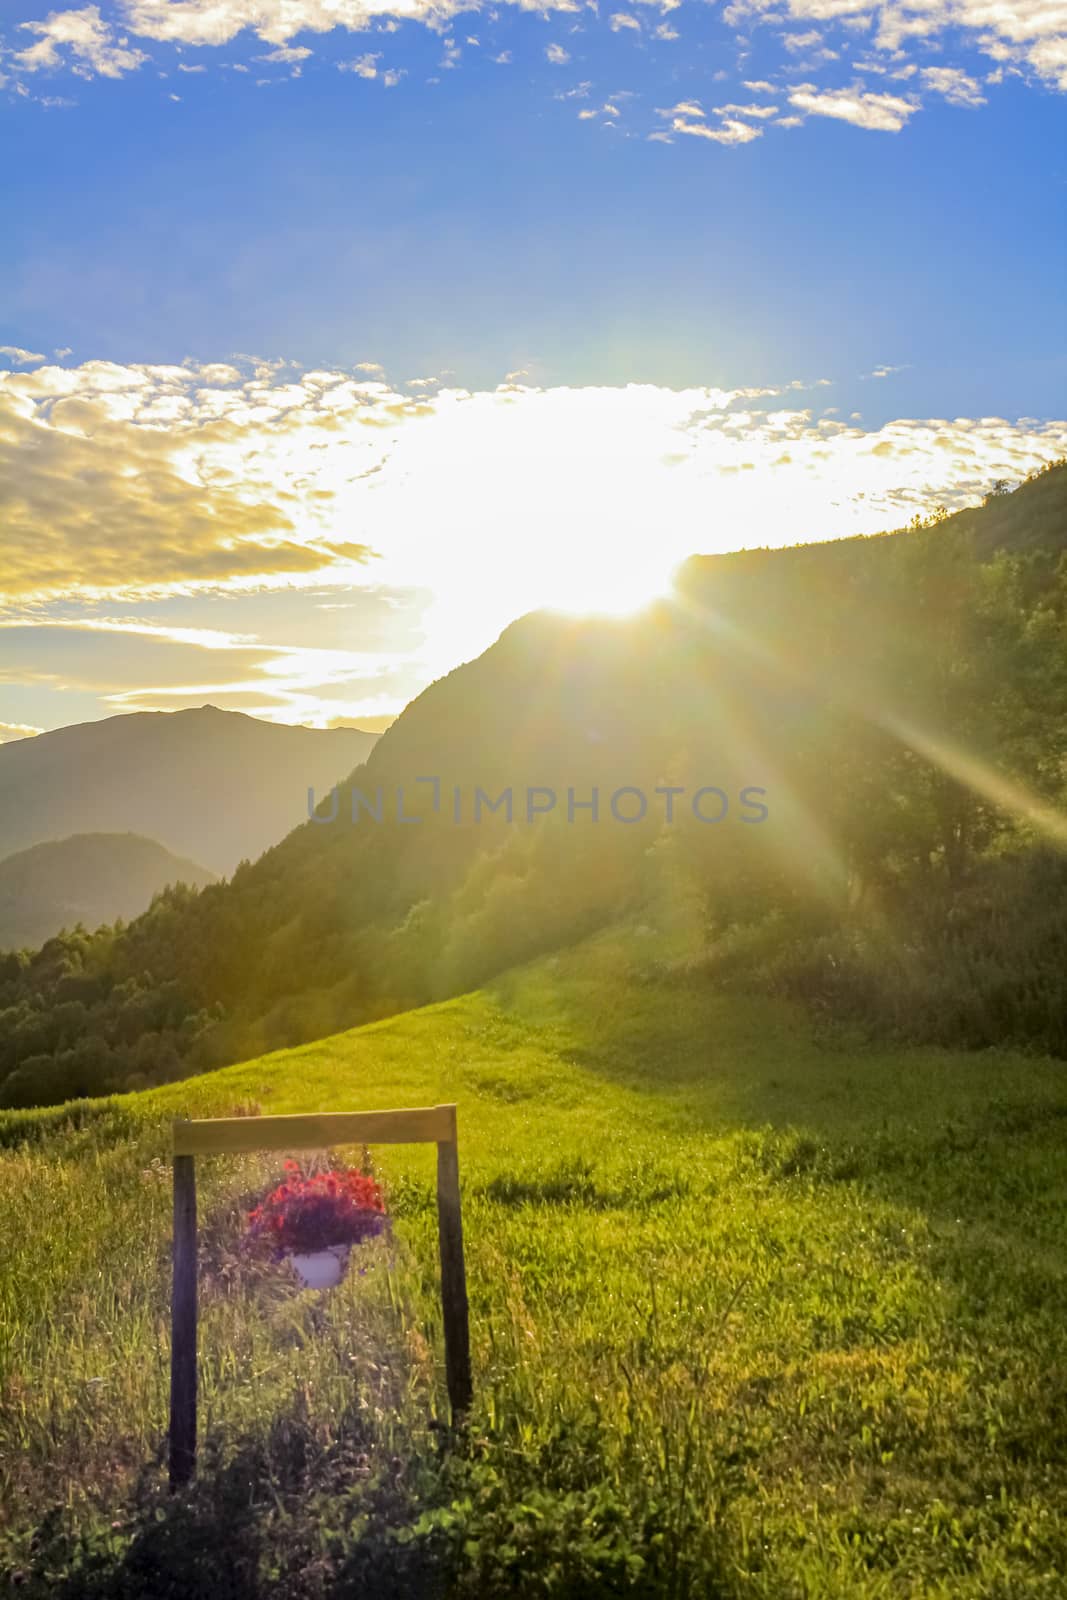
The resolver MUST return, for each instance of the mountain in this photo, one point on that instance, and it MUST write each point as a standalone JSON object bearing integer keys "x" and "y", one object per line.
{"x": 91, "y": 878}
{"x": 888, "y": 709}
{"x": 215, "y": 786}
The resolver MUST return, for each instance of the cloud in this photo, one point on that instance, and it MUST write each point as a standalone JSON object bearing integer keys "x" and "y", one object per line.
{"x": 135, "y": 663}
{"x": 684, "y": 108}
{"x": 958, "y": 88}
{"x": 757, "y": 111}
{"x": 1048, "y": 57}
{"x": 365, "y": 66}
{"x": 557, "y": 55}
{"x": 795, "y": 42}
{"x": 1023, "y": 37}
{"x": 137, "y": 478}
{"x": 1029, "y": 33}
{"x": 23, "y": 358}
{"x": 731, "y": 131}
{"x": 88, "y": 41}
{"x": 128, "y": 484}
{"x": 17, "y": 730}
{"x": 95, "y": 654}
{"x": 295, "y": 52}
{"x": 883, "y": 113}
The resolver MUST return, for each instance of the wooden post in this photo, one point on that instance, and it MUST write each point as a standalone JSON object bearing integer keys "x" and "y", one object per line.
{"x": 183, "y": 1326}
{"x": 453, "y": 1276}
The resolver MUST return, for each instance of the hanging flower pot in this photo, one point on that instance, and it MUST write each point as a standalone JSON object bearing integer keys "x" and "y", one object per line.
{"x": 314, "y": 1222}
{"x": 320, "y": 1269}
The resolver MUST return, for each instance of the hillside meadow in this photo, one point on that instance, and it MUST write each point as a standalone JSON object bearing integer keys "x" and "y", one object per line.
{"x": 758, "y": 1311}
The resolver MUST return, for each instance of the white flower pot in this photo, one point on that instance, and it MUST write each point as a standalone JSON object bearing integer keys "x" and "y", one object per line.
{"x": 321, "y": 1269}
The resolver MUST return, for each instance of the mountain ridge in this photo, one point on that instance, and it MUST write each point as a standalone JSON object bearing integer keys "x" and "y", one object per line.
{"x": 171, "y": 776}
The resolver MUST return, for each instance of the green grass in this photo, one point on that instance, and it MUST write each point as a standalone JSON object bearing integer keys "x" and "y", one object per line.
{"x": 755, "y": 1314}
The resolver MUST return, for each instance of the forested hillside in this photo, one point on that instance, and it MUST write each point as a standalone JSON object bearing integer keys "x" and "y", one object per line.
{"x": 864, "y": 745}
{"x": 90, "y": 878}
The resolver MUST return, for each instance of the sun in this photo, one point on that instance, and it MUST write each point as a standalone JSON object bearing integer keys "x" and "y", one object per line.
{"x": 610, "y": 580}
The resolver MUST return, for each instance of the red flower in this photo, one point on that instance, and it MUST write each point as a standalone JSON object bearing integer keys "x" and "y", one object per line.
{"x": 330, "y": 1208}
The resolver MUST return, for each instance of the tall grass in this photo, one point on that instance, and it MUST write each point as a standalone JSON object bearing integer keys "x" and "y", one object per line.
{"x": 753, "y": 1316}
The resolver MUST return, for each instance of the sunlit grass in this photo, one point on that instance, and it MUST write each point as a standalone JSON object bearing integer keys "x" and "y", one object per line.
{"x": 753, "y": 1314}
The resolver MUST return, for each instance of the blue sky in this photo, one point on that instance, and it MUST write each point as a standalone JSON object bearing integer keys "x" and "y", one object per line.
{"x": 490, "y": 293}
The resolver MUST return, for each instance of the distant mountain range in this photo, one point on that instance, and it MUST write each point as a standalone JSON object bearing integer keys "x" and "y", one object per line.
{"x": 91, "y": 878}
{"x": 214, "y": 786}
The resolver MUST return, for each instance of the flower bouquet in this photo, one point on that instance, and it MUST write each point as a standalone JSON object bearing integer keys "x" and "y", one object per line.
{"x": 315, "y": 1221}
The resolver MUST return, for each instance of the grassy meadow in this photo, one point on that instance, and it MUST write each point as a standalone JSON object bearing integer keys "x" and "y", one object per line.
{"x": 756, "y": 1311}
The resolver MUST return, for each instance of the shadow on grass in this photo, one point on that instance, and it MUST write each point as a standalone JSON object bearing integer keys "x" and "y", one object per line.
{"x": 573, "y": 1182}
{"x": 474, "y": 1518}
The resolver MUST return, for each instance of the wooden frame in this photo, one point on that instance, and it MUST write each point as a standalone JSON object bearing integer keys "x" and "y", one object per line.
{"x": 240, "y": 1135}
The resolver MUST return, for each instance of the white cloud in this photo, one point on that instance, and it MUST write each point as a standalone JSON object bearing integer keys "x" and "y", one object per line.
{"x": 88, "y": 41}
{"x": 365, "y": 66}
{"x": 758, "y": 111}
{"x": 795, "y": 42}
{"x": 731, "y": 131}
{"x": 1049, "y": 58}
{"x": 557, "y": 55}
{"x": 17, "y": 730}
{"x": 957, "y": 86}
{"x": 1024, "y": 37}
{"x": 286, "y": 52}
{"x": 23, "y": 358}
{"x": 1027, "y": 32}
{"x": 142, "y": 481}
{"x": 883, "y": 113}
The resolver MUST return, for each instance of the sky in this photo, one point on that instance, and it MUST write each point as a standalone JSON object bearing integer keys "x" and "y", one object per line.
{"x": 335, "y": 334}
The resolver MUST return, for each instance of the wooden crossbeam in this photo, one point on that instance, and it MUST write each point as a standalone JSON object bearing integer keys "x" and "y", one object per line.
{"x": 317, "y": 1131}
